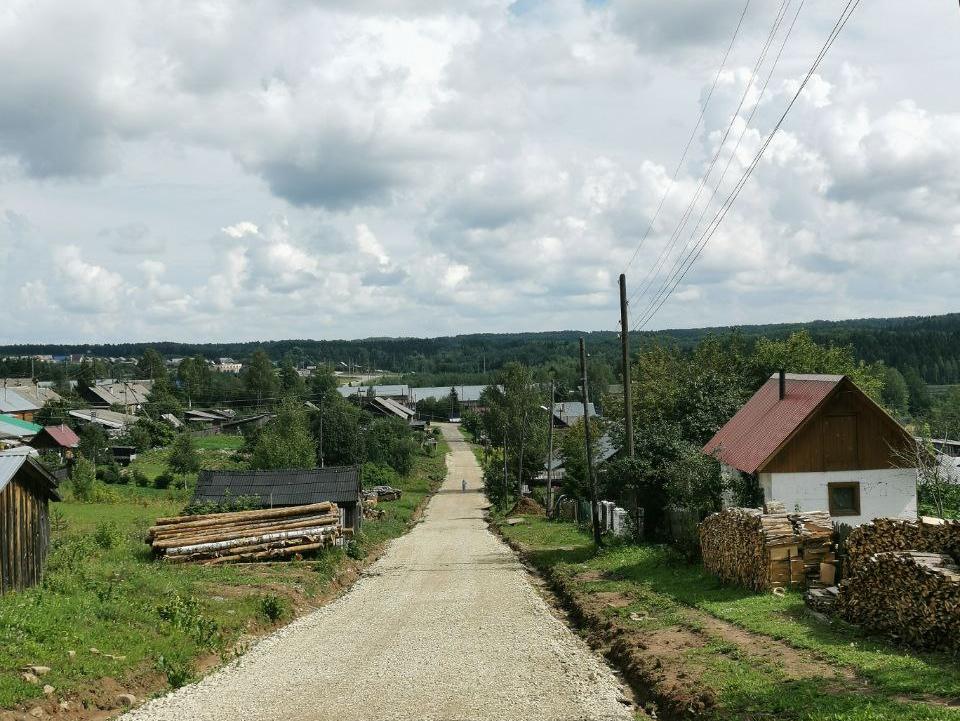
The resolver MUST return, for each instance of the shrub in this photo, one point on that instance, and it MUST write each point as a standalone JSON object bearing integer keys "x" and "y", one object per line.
{"x": 109, "y": 473}
{"x": 177, "y": 671}
{"x": 106, "y": 535}
{"x": 185, "y": 614}
{"x": 139, "y": 478}
{"x": 82, "y": 479}
{"x": 273, "y": 607}
{"x": 164, "y": 480}
{"x": 378, "y": 474}
{"x": 358, "y": 548}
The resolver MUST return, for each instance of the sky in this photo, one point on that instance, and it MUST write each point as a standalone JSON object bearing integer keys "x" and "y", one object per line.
{"x": 265, "y": 169}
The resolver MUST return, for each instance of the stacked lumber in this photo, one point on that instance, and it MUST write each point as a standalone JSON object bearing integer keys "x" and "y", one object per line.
{"x": 912, "y": 595}
{"x": 246, "y": 535}
{"x": 815, "y": 529}
{"x": 746, "y": 547}
{"x": 893, "y": 534}
{"x": 822, "y": 598}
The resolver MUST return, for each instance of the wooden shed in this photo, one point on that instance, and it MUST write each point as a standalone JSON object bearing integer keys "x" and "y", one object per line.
{"x": 26, "y": 488}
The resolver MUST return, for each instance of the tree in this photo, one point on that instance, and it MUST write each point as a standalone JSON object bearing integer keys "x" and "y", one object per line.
{"x": 286, "y": 441}
{"x": 183, "y": 457}
{"x": 194, "y": 376}
{"x": 83, "y": 479}
{"x": 934, "y": 474}
{"x": 94, "y": 443}
{"x": 86, "y": 376}
{"x": 54, "y": 413}
{"x": 260, "y": 379}
{"x": 919, "y": 395}
{"x": 323, "y": 381}
{"x": 342, "y": 443}
{"x": 162, "y": 399}
{"x": 290, "y": 381}
{"x": 151, "y": 364}
{"x": 389, "y": 441}
{"x": 896, "y": 394}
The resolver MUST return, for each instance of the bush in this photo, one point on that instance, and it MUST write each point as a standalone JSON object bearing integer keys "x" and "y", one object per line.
{"x": 377, "y": 474}
{"x": 177, "y": 671}
{"x": 106, "y": 535}
{"x": 358, "y": 548}
{"x": 185, "y": 614}
{"x": 83, "y": 478}
{"x": 164, "y": 480}
{"x": 273, "y": 607}
{"x": 139, "y": 478}
{"x": 109, "y": 473}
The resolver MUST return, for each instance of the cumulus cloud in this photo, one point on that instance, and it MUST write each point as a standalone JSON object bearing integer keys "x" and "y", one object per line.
{"x": 259, "y": 169}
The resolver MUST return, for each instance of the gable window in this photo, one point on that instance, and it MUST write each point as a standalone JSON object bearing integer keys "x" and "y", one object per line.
{"x": 844, "y": 498}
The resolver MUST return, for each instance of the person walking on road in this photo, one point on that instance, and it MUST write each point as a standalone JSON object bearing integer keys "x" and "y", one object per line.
{"x": 463, "y": 485}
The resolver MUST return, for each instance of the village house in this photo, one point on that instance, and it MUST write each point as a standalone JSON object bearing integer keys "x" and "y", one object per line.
{"x": 570, "y": 413}
{"x": 60, "y": 439}
{"x": 294, "y": 487}
{"x": 17, "y": 404}
{"x": 467, "y": 396}
{"x": 227, "y": 365}
{"x": 114, "y": 422}
{"x": 393, "y": 392}
{"x": 131, "y": 395}
{"x": 26, "y": 488}
{"x": 817, "y": 442}
{"x": 17, "y": 429}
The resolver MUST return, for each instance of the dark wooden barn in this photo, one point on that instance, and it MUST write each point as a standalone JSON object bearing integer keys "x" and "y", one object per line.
{"x": 26, "y": 488}
{"x": 292, "y": 487}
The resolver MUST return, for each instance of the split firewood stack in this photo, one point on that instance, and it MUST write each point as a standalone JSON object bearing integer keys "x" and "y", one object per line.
{"x": 912, "y": 595}
{"x": 246, "y": 535}
{"x": 893, "y": 534}
{"x": 760, "y": 551}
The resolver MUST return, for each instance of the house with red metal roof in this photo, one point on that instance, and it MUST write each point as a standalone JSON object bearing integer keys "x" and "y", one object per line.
{"x": 60, "y": 438}
{"x": 817, "y": 442}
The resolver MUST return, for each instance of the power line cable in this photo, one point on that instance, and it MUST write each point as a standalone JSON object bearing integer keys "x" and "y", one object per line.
{"x": 652, "y": 272}
{"x": 708, "y": 234}
{"x": 693, "y": 134}
{"x": 683, "y": 254}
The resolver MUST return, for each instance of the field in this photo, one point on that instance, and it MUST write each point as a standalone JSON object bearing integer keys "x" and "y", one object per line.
{"x": 137, "y": 625}
{"x": 688, "y": 642}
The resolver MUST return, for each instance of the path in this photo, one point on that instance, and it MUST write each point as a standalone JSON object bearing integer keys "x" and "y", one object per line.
{"x": 445, "y": 626}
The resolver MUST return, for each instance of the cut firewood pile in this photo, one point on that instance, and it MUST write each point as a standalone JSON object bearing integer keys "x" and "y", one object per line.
{"x": 382, "y": 493}
{"x": 892, "y": 534}
{"x": 262, "y": 535}
{"x": 761, "y": 551}
{"x": 912, "y": 595}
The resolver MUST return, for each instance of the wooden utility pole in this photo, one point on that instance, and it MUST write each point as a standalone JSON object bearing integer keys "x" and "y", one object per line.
{"x": 321, "y": 431}
{"x": 625, "y": 353}
{"x": 506, "y": 486}
{"x": 550, "y": 452}
{"x": 585, "y": 395}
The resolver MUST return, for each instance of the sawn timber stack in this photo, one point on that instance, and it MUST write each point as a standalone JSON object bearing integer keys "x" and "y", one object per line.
{"x": 247, "y": 535}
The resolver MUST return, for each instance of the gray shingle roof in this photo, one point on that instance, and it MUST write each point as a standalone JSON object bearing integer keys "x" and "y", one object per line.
{"x": 13, "y": 402}
{"x": 293, "y": 487}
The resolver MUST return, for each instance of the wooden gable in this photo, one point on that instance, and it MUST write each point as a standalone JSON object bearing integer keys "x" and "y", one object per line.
{"x": 847, "y": 432}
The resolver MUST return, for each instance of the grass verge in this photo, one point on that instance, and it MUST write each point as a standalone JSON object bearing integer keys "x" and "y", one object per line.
{"x": 693, "y": 646}
{"x": 139, "y": 625}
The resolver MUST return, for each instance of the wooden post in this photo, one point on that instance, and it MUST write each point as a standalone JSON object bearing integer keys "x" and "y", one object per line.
{"x": 550, "y": 452}
{"x": 625, "y": 353}
{"x": 585, "y": 395}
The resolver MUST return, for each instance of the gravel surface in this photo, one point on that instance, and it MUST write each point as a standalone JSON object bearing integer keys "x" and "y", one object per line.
{"x": 446, "y": 625}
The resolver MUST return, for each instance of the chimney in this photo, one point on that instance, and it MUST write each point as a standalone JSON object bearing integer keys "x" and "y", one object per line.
{"x": 783, "y": 384}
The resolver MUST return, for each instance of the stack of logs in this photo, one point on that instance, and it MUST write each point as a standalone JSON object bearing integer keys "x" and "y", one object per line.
{"x": 912, "y": 595}
{"x": 747, "y": 547}
{"x": 902, "y": 578}
{"x": 246, "y": 535}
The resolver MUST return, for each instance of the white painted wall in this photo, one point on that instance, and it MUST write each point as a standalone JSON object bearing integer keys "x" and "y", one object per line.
{"x": 884, "y": 493}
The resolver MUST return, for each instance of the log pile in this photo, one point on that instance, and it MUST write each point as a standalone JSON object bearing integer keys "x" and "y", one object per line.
{"x": 912, "y": 595}
{"x": 893, "y": 534}
{"x": 746, "y": 547}
{"x": 246, "y": 535}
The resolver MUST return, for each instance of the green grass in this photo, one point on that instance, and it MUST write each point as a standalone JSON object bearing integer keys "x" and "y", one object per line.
{"x": 222, "y": 442}
{"x": 103, "y": 590}
{"x": 662, "y": 589}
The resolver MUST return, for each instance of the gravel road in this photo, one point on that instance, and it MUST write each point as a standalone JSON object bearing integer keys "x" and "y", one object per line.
{"x": 446, "y": 625}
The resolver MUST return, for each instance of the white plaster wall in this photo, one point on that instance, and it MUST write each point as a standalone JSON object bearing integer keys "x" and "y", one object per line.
{"x": 885, "y": 493}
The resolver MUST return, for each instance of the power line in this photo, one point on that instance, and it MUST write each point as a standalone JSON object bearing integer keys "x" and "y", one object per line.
{"x": 693, "y": 134}
{"x": 651, "y": 273}
{"x": 717, "y": 220}
{"x": 683, "y": 254}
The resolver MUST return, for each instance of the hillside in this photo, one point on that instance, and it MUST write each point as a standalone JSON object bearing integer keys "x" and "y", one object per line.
{"x": 928, "y": 344}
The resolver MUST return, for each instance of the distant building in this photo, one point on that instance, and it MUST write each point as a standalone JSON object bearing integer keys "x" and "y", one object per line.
{"x": 60, "y": 439}
{"x": 570, "y": 413}
{"x": 14, "y": 404}
{"x": 112, "y": 421}
{"x": 817, "y": 442}
{"x": 227, "y": 365}
{"x": 467, "y": 396}
{"x": 132, "y": 395}
{"x": 295, "y": 487}
{"x": 393, "y": 392}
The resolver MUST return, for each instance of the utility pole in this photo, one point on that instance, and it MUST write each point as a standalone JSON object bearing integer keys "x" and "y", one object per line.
{"x": 625, "y": 352}
{"x": 505, "y": 484}
{"x": 523, "y": 441}
{"x": 585, "y": 395}
{"x": 550, "y": 451}
{"x": 321, "y": 431}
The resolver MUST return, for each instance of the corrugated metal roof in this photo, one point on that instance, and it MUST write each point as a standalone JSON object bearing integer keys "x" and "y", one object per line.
{"x": 11, "y": 465}
{"x": 466, "y": 394}
{"x": 108, "y": 418}
{"x": 759, "y": 428}
{"x": 293, "y": 487}
{"x": 570, "y": 412}
{"x": 395, "y": 390}
{"x": 13, "y": 402}
{"x": 11, "y": 427}
{"x": 63, "y": 435}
